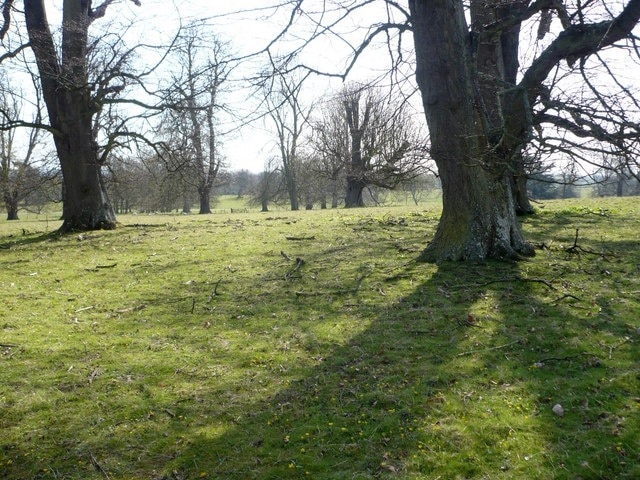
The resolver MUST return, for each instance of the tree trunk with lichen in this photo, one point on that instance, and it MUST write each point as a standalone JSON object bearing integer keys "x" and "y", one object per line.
{"x": 67, "y": 95}
{"x": 478, "y": 219}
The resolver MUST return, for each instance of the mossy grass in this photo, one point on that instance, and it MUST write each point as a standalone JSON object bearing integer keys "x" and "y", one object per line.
{"x": 313, "y": 345}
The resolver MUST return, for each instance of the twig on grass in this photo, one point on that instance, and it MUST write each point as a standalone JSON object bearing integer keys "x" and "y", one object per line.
{"x": 577, "y": 249}
{"x": 566, "y": 295}
{"x": 8, "y": 345}
{"x": 84, "y": 309}
{"x": 541, "y": 363}
{"x": 512, "y": 279}
{"x": 299, "y": 263}
{"x": 215, "y": 291}
{"x": 299, "y": 239}
{"x": 131, "y": 309}
{"x": 98, "y": 467}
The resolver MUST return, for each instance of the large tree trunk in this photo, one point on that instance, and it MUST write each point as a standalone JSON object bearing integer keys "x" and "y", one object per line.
{"x": 11, "y": 205}
{"x": 355, "y": 187}
{"x": 85, "y": 203}
{"x": 478, "y": 219}
{"x": 356, "y": 182}
{"x": 205, "y": 200}
{"x": 67, "y": 94}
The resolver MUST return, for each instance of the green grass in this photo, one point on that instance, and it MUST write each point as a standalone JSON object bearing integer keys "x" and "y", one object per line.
{"x": 185, "y": 347}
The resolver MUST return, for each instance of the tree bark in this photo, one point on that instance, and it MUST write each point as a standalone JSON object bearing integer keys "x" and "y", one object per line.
{"x": 205, "y": 200}
{"x": 68, "y": 99}
{"x": 478, "y": 218}
{"x": 356, "y": 171}
{"x": 519, "y": 186}
{"x": 353, "y": 197}
{"x": 11, "y": 205}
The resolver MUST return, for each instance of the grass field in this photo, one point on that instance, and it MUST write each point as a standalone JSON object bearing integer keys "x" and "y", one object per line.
{"x": 312, "y": 345}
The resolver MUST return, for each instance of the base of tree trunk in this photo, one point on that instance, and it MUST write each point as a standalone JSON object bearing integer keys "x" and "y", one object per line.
{"x": 478, "y": 222}
{"x": 507, "y": 244}
{"x": 85, "y": 224}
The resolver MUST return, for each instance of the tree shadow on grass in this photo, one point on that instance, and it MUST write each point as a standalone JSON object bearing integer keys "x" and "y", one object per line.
{"x": 458, "y": 378}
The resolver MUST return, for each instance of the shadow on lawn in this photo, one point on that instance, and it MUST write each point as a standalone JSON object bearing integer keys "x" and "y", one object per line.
{"x": 457, "y": 378}
{"x": 432, "y": 388}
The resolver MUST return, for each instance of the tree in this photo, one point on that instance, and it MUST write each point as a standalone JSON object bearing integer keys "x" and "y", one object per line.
{"x": 289, "y": 118}
{"x": 79, "y": 95}
{"x": 458, "y": 70}
{"x": 369, "y": 140}
{"x": 385, "y": 147}
{"x": 329, "y": 142}
{"x": 266, "y": 189}
{"x": 191, "y": 123}
{"x": 23, "y": 171}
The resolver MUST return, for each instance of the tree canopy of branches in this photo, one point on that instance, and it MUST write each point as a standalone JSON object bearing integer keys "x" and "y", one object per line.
{"x": 289, "y": 117}
{"x": 372, "y": 139}
{"x": 24, "y": 169}
{"x": 191, "y": 124}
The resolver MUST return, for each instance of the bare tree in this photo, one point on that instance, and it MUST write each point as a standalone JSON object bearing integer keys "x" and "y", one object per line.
{"x": 371, "y": 138}
{"x": 81, "y": 99}
{"x": 24, "y": 168}
{"x": 192, "y": 123}
{"x": 267, "y": 187}
{"x": 289, "y": 117}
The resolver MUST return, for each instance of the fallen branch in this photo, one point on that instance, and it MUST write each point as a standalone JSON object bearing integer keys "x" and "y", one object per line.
{"x": 510, "y": 280}
{"x": 215, "y": 291}
{"x": 566, "y": 295}
{"x": 84, "y": 309}
{"x": 132, "y": 309}
{"x": 577, "y": 249}
{"x": 299, "y": 263}
{"x": 539, "y": 363}
{"x": 8, "y": 345}
{"x": 299, "y": 239}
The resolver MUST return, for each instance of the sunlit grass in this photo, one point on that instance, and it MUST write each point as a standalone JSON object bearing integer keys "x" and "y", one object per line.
{"x": 180, "y": 347}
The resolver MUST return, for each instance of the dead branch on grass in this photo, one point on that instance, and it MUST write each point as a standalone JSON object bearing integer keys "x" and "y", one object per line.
{"x": 299, "y": 263}
{"x": 131, "y": 309}
{"x": 577, "y": 249}
{"x": 300, "y": 239}
{"x": 98, "y": 467}
{"x": 512, "y": 279}
{"x": 541, "y": 363}
{"x": 566, "y": 295}
{"x": 215, "y": 291}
